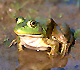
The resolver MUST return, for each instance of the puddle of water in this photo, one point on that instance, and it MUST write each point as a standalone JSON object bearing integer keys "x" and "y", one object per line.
{"x": 31, "y": 59}
{"x": 8, "y": 58}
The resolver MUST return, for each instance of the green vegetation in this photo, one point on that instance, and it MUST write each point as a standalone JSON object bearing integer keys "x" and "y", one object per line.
{"x": 32, "y": 10}
{"x": 14, "y": 7}
{"x": 6, "y": 39}
{"x": 77, "y": 33}
{"x": 60, "y": 15}
{"x": 28, "y": 16}
{"x": 17, "y": 5}
{"x": 11, "y": 15}
{"x": 4, "y": 27}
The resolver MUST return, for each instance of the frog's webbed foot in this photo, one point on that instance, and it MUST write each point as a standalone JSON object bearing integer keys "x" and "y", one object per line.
{"x": 52, "y": 54}
{"x": 64, "y": 49}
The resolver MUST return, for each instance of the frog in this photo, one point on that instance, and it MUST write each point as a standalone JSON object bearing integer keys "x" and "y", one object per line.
{"x": 42, "y": 35}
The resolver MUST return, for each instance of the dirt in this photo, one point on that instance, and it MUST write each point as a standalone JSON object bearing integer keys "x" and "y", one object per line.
{"x": 11, "y": 59}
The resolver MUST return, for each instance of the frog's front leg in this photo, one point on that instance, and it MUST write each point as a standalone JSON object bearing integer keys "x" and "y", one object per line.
{"x": 20, "y": 46}
{"x": 54, "y": 50}
{"x": 19, "y": 43}
{"x": 54, "y": 47}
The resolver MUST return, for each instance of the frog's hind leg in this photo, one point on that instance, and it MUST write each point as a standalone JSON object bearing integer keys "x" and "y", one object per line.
{"x": 67, "y": 33}
{"x": 66, "y": 30}
{"x": 66, "y": 46}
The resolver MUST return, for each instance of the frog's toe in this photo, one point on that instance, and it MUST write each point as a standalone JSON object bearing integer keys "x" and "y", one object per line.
{"x": 64, "y": 50}
{"x": 20, "y": 49}
{"x": 52, "y": 54}
{"x": 63, "y": 54}
{"x": 13, "y": 42}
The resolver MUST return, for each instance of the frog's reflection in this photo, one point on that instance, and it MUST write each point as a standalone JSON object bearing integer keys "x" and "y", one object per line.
{"x": 34, "y": 60}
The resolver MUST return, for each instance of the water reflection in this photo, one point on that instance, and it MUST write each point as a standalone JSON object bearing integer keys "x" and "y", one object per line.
{"x": 33, "y": 60}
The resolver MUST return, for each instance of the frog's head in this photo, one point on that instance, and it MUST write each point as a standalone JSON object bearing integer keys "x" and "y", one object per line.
{"x": 28, "y": 27}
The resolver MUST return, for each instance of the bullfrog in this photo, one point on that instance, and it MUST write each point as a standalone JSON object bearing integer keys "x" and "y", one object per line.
{"x": 43, "y": 34}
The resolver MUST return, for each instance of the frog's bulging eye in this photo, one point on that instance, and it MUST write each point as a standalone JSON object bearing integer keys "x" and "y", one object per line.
{"x": 20, "y": 19}
{"x": 33, "y": 24}
{"x": 16, "y": 19}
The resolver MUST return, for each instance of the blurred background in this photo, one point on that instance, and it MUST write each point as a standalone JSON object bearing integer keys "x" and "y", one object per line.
{"x": 62, "y": 11}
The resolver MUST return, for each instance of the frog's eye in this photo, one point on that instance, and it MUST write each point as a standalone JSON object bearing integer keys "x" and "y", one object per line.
{"x": 33, "y": 24}
{"x": 19, "y": 19}
{"x": 16, "y": 19}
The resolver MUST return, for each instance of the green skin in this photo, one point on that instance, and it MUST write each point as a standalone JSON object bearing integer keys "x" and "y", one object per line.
{"x": 46, "y": 29}
{"x": 24, "y": 27}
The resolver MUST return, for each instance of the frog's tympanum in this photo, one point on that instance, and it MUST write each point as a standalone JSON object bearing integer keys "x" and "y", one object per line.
{"x": 43, "y": 35}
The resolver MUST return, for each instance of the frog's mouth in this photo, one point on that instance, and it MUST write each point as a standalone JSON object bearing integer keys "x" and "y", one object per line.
{"x": 31, "y": 35}
{"x": 35, "y": 42}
